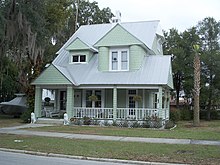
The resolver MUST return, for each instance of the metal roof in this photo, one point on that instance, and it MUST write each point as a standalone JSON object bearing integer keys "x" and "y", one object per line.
{"x": 154, "y": 70}
{"x": 148, "y": 74}
{"x": 145, "y": 31}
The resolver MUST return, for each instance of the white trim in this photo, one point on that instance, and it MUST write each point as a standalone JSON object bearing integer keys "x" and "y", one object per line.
{"x": 118, "y": 50}
{"x": 83, "y": 98}
{"x": 78, "y": 54}
{"x": 103, "y": 98}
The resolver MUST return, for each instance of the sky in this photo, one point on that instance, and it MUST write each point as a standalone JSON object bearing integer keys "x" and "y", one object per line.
{"x": 179, "y": 14}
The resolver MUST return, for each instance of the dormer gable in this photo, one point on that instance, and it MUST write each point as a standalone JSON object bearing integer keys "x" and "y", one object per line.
{"x": 80, "y": 52}
{"x": 118, "y": 36}
{"x": 78, "y": 44}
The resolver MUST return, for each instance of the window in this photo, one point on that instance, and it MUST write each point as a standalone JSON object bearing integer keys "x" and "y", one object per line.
{"x": 119, "y": 60}
{"x": 78, "y": 58}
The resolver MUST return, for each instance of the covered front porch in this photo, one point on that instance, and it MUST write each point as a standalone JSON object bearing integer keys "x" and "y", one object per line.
{"x": 105, "y": 103}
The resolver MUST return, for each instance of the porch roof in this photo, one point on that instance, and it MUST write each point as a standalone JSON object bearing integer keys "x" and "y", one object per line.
{"x": 155, "y": 70}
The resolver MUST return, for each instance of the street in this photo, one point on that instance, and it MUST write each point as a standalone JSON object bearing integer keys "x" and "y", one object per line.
{"x": 10, "y": 158}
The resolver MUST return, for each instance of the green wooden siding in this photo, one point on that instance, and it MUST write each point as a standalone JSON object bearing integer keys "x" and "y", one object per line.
{"x": 118, "y": 36}
{"x": 51, "y": 76}
{"x": 136, "y": 56}
{"x": 170, "y": 79}
{"x": 103, "y": 59}
{"x": 77, "y": 44}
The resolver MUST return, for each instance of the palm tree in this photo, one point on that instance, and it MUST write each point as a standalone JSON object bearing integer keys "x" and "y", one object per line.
{"x": 196, "y": 65}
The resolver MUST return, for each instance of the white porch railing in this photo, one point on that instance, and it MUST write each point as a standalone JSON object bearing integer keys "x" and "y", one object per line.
{"x": 99, "y": 113}
{"x": 136, "y": 113}
{"x": 121, "y": 113}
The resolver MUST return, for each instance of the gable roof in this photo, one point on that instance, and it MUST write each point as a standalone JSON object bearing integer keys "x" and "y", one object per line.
{"x": 51, "y": 76}
{"x": 144, "y": 31}
{"x": 117, "y": 36}
{"x": 78, "y": 44}
{"x": 88, "y": 35}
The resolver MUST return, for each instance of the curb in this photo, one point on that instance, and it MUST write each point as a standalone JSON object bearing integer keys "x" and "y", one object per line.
{"x": 85, "y": 158}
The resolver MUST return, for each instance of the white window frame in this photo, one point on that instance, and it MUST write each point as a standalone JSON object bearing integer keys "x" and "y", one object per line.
{"x": 119, "y": 51}
{"x": 71, "y": 59}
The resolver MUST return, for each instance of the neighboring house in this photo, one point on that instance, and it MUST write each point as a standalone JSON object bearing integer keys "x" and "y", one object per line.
{"x": 110, "y": 71}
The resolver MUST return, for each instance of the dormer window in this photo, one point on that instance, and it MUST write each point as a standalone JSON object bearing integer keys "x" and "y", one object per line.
{"x": 78, "y": 58}
{"x": 119, "y": 60}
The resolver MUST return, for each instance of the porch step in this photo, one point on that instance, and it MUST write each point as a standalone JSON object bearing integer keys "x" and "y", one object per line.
{"x": 49, "y": 121}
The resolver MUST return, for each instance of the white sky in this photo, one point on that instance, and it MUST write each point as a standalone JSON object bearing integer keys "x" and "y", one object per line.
{"x": 179, "y": 14}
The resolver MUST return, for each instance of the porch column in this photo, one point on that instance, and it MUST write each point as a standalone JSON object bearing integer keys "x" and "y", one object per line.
{"x": 168, "y": 105}
{"x": 70, "y": 101}
{"x": 114, "y": 103}
{"x": 160, "y": 91}
{"x": 38, "y": 101}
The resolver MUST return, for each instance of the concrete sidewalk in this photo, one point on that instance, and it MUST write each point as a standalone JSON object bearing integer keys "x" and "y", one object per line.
{"x": 17, "y": 130}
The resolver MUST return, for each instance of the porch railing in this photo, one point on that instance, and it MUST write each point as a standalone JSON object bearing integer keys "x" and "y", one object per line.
{"x": 121, "y": 113}
{"x": 136, "y": 113}
{"x": 99, "y": 113}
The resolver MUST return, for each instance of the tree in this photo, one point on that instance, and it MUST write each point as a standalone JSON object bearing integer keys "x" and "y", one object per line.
{"x": 196, "y": 91}
{"x": 179, "y": 45}
{"x": 209, "y": 31}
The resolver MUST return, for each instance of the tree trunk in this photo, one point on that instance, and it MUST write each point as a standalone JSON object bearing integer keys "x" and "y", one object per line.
{"x": 208, "y": 113}
{"x": 196, "y": 119}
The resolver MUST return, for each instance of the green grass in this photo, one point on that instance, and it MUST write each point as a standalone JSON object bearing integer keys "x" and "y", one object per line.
{"x": 195, "y": 154}
{"x": 184, "y": 130}
{"x": 9, "y": 121}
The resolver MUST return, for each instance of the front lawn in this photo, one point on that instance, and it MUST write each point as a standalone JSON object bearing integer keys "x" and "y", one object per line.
{"x": 184, "y": 130}
{"x": 9, "y": 121}
{"x": 192, "y": 154}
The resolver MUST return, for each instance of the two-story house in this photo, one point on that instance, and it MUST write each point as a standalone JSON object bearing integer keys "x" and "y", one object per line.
{"x": 110, "y": 71}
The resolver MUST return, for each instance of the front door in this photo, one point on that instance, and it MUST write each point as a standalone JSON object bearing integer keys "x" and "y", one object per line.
{"x": 77, "y": 99}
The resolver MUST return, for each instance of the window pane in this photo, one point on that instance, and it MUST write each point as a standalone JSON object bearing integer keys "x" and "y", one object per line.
{"x": 114, "y": 60}
{"x": 75, "y": 58}
{"x": 132, "y": 92}
{"x": 83, "y": 58}
{"x": 124, "y": 65}
{"x": 124, "y": 56}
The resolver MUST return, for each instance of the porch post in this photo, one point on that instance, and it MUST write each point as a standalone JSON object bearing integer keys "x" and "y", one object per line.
{"x": 70, "y": 101}
{"x": 168, "y": 106}
{"x": 160, "y": 103}
{"x": 38, "y": 101}
{"x": 114, "y": 103}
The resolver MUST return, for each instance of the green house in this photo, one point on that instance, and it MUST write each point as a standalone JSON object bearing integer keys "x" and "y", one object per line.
{"x": 110, "y": 72}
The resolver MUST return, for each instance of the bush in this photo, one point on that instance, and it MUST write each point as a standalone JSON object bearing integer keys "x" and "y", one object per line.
{"x": 135, "y": 124}
{"x": 215, "y": 115}
{"x": 26, "y": 116}
{"x": 152, "y": 122}
{"x": 175, "y": 115}
{"x": 86, "y": 120}
{"x": 169, "y": 124}
{"x": 186, "y": 114}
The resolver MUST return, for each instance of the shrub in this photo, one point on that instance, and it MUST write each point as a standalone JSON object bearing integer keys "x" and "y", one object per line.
{"x": 26, "y": 116}
{"x": 175, "y": 115}
{"x": 86, "y": 120}
{"x": 169, "y": 124}
{"x": 186, "y": 114}
{"x": 135, "y": 124}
